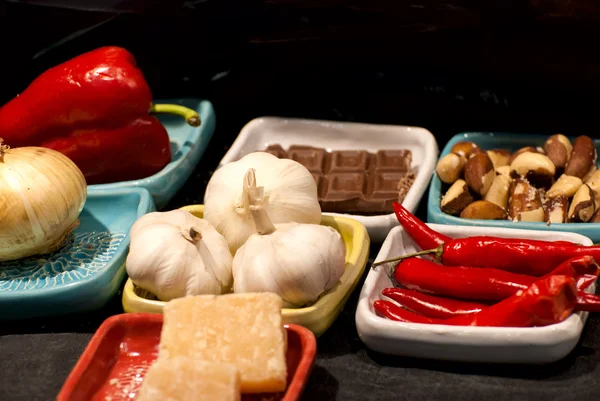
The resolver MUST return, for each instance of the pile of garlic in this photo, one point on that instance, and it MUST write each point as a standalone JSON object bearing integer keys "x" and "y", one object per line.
{"x": 253, "y": 238}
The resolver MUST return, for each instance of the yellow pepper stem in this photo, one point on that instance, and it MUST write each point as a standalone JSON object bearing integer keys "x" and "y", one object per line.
{"x": 191, "y": 117}
{"x": 3, "y": 149}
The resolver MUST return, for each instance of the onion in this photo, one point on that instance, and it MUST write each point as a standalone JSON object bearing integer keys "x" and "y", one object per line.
{"x": 42, "y": 193}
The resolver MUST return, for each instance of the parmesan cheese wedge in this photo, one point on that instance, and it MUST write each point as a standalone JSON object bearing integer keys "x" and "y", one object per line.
{"x": 188, "y": 379}
{"x": 244, "y": 330}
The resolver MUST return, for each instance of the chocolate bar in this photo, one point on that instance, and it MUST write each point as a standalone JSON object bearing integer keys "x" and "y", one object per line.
{"x": 354, "y": 181}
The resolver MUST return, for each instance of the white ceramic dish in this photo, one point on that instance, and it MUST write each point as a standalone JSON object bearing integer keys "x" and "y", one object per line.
{"x": 261, "y": 132}
{"x": 469, "y": 344}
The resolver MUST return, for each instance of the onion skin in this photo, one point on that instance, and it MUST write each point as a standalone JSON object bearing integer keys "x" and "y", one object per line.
{"x": 42, "y": 194}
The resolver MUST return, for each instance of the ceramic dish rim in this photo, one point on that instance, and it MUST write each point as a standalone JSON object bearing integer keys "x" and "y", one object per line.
{"x": 435, "y": 213}
{"x": 145, "y": 204}
{"x": 329, "y": 300}
{"x": 307, "y": 358}
{"x": 185, "y": 149}
{"x": 426, "y": 141}
{"x": 458, "y": 334}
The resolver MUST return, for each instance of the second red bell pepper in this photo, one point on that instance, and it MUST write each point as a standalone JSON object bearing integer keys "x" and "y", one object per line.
{"x": 95, "y": 109}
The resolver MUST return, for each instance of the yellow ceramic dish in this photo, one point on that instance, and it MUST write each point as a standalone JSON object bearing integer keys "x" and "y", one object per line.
{"x": 317, "y": 317}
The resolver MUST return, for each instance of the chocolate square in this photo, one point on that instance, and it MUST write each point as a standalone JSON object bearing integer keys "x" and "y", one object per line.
{"x": 397, "y": 160}
{"x": 276, "y": 150}
{"x": 348, "y": 161}
{"x": 345, "y": 185}
{"x": 311, "y": 158}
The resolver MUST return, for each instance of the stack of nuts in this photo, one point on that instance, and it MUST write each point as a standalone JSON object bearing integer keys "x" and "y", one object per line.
{"x": 558, "y": 183}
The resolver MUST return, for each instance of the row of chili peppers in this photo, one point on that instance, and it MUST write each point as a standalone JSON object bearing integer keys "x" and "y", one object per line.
{"x": 488, "y": 281}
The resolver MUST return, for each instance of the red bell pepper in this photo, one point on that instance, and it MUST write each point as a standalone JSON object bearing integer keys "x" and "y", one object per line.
{"x": 547, "y": 301}
{"x": 94, "y": 109}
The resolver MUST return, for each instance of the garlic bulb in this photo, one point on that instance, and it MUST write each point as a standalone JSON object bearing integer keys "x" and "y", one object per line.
{"x": 42, "y": 193}
{"x": 174, "y": 254}
{"x": 299, "y": 262}
{"x": 290, "y": 195}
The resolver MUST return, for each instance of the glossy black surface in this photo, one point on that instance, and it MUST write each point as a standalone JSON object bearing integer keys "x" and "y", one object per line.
{"x": 453, "y": 66}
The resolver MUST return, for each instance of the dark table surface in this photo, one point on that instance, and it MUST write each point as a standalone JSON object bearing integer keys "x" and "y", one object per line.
{"x": 449, "y": 66}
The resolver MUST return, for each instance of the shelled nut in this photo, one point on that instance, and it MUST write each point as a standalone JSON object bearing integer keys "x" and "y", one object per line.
{"x": 483, "y": 210}
{"x": 524, "y": 198}
{"x": 558, "y": 148}
{"x": 537, "y": 168}
{"x": 450, "y": 167}
{"x": 499, "y": 157}
{"x": 583, "y": 157}
{"x": 456, "y": 198}
{"x": 479, "y": 173}
{"x": 498, "y": 192}
{"x": 523, "y": 150}
{"x": 556, "y": 210}
{"x": 582, "y": 206}
{"x": 566, "y": 185}
{"x": 466, "y": 149}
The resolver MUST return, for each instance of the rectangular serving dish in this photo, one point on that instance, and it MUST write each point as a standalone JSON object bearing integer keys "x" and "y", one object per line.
{"x": 511, "y": 142}
{"x": 114, "y": 364}
{"x": 331, "y": 135}
{"x": 87, "y": 271}
{"x": 187, "y": 147}
{"x": 468, "y": 344}
{"x": 317, "y": 317}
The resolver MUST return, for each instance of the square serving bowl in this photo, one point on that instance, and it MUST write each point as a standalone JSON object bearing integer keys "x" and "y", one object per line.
{"x": 262, "y": 132}
{"x": 187, "y": 147}
{"x": 316, "y": 317}
{"x": 533, "y": 345}
{"x": 115, "y": 362}
{"x": 87, "y": 271}
{"x": 511, "y": 142}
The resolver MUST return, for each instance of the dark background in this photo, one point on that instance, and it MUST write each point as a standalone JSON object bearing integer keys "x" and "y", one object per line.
{"x": 449, "y": 66}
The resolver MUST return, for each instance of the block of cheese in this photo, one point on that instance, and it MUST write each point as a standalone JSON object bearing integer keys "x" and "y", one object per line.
{"x": 244, "y": 330}
{"x": 189, "y": 379}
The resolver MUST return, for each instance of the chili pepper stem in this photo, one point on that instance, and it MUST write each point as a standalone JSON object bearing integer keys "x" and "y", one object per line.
{"x": 191, "y": 117}
{"x": 3, "y": 149}
{"x": 437, "y": 251}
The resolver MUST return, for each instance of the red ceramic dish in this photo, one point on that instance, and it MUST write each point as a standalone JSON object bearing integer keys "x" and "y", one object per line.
{"x": 114, "y": 364}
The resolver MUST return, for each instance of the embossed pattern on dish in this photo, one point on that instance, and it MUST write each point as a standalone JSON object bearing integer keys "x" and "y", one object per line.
{"x": 83, "y": 255}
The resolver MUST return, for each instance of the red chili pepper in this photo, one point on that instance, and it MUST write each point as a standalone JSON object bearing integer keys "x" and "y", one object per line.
{"x": 532, "y": 257}
{"x": 394, "y": 312}
{"x": 420, "y": 232}
{"x": 431, "y": 306}
{"x": 547, "y": 301}
{"x": 487, "y": 283}
{"x": 95, "y": 109}
{"x": 459, "y": 281}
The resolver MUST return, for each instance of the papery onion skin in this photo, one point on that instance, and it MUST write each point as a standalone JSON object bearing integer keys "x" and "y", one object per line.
{"x": 42, "y": 194}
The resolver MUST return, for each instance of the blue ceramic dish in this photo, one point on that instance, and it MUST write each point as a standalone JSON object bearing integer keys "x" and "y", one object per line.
{"x": 187, "y": 147}
{"x": 512, "y": 142}
{"x": 87, "y": 271}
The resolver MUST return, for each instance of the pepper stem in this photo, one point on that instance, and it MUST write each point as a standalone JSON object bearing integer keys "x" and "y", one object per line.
{"x": 191, "y": 117}
{"x": 254, "y": 199}
{"x": 3, "y": 149}
{"x": 437, "y": 251}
